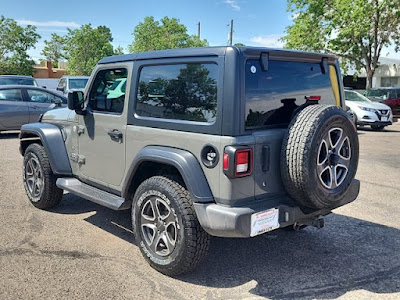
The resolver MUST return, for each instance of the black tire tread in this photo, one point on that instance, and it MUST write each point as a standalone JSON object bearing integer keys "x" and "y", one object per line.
{"x": 198, "y": 240}
{"x": 296, "y": 149}
{"x": 51, "y": 195}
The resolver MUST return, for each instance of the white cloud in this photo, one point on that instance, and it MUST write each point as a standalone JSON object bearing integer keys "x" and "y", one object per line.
{"x": 48, "y": 23}
{"x": 234, "y": 4}
{"x": 271, "y": 40}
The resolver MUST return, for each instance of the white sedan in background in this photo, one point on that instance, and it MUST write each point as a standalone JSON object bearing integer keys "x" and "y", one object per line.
{"x": 367, "y": 112}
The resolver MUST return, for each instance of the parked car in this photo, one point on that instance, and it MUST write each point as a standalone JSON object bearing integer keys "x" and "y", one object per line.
{"x": 72, "y": 83}
{"x": 21, "y": 104}
{"x": 207, "y": 141}
{"x": 389, "y": 96}
{"x": 367, "y": 112}
{"x": 17, "y": 80}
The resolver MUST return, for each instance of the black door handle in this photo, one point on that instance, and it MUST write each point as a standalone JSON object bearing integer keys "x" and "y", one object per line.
{"x": 115, "y": 135}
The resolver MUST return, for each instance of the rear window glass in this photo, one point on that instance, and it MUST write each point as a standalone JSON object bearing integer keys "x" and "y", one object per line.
{"x": 272, "y": 97}
{"x": 181, "y": 92}
{"x": 78, "y": 83}
{"x": 17, "y": 81}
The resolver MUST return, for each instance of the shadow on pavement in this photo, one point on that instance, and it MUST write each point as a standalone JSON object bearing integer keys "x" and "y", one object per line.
{"x": 8, "y": 135}
{"x": 386, "y": 129}
{"x": 348, "y": 254}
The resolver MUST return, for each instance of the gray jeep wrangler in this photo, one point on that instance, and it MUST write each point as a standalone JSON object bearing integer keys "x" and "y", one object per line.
{"x": 221, "y": 141}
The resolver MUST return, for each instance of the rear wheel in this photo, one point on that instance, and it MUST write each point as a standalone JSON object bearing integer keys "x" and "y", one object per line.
{"x": 39, "y": 179}
{"x": 165, "y": 226}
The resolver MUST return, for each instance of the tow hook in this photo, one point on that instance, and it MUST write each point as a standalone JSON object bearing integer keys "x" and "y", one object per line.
{"x": 317, "y": 223}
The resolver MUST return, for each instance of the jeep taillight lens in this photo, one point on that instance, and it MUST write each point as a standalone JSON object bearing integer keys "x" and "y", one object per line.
{"x": 226, "y": 161}
{"x": 237, "y": 161}
{"x": 243, "y": 164}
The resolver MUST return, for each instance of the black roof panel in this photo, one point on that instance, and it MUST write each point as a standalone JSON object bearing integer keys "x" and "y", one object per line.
{"x": 205, "y": 51}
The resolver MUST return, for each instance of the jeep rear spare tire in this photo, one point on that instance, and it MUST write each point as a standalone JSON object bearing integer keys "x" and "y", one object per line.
{"x": 319, "y": 156}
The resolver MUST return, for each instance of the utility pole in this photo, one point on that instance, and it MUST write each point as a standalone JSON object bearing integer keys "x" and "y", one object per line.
{"x": 231, "y": 34}
{"x": 198, "y": 30}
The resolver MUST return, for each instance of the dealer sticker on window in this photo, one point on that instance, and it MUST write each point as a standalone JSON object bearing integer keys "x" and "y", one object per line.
{"x": 264, "y": 221}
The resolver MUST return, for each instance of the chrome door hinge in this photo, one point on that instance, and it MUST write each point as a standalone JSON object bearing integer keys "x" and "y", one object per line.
{"x": 80, "y": 159}
{"x": 79, "y": 129}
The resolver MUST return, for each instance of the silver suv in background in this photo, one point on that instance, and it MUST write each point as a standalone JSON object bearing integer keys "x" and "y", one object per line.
{"x": 69, "y": 84}
{"x": 367, "y": 112}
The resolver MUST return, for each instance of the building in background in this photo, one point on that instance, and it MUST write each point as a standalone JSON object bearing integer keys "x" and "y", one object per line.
{"x": 47, "y": 71}
{"x": 387, "y": 75}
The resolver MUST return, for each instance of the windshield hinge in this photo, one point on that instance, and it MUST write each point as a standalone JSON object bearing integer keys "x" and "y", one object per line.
{"x": 264, "y": 61}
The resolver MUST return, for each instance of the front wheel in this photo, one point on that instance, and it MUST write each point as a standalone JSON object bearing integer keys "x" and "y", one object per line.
{"x": 39, "y": 180}
{"x": 166, "y": 227}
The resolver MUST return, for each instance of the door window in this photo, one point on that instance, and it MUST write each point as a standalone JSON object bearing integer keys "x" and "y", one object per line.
{"x": 108, "y": 93}
{"x": 62, "y": 84}
{"x": 180, "y": 92}
{"x": 11, "y": 95}
{"x": 42, "y": 97}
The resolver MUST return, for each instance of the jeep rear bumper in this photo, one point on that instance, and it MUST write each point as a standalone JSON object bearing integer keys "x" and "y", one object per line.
{"x": 224, "y": 221}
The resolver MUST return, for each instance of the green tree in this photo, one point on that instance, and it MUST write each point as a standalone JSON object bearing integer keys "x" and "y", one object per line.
{"x": 15, "y": 41}
{"x": 355, "y": 30}
{"x": 85, "y": 47}
{"x": 166, "y": 34}
{"x": 119, "y": 51}
{"x": 54, "y": 50}
{"x": 239, "y": 44}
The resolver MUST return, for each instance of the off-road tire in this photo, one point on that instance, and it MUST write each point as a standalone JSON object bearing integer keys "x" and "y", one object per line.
{"x": 192, "y": 241}
{"x": 301, "y": 148}
{"x": 49, "y": 195}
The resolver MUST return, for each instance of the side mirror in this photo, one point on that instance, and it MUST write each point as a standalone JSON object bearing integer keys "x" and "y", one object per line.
{"x": 76, "y": 102}
{"x": 60, "y": 89}
{"x": 43, "y": 86}
{"x": 58, "y": 102}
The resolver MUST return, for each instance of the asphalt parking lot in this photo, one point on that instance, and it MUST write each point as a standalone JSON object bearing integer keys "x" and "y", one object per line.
{"x": 81, "y": 250}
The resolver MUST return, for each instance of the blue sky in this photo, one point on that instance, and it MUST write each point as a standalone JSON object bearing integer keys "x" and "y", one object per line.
{"x": 256, "y": 22}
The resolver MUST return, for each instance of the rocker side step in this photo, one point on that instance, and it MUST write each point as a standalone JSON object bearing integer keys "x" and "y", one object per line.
{"x": 91, "y": 193}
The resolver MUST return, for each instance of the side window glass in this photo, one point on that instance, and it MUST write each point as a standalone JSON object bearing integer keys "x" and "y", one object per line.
{"x": 106, "y": 94}
{"x": 40, "y": 96}
{"x": 180, "y": 92}
{"x": 11, "y": 95}
{"x": 61, "y": 83}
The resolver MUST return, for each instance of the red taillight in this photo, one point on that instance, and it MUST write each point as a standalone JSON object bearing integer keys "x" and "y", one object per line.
{"x": 226, "y": 161}
{"x": 237, "y": 161}
{"x": 243, "y": 163}
{"x": 315, "y": 98}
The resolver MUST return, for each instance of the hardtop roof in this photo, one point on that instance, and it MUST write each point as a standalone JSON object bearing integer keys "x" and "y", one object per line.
{"x": 208, "y": 51}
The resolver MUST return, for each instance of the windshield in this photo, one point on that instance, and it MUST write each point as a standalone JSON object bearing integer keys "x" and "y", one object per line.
{"x": 273, "y": 96}
{"x": 78, "y": 83}
{"x": 354, "y": 96}
{"x": 17, "y": 81}
{"x": 380, "y": 94}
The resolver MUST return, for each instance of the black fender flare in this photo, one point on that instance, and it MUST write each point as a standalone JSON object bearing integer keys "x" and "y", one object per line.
{"x": 185, "y": 162}
{"x": 52, "y": 140}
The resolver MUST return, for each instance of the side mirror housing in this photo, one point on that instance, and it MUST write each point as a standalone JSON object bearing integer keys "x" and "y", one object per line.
{"x": 57, "y": 102}
{"x": 60, "y": 89}
{"x": 76, "y": 102}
